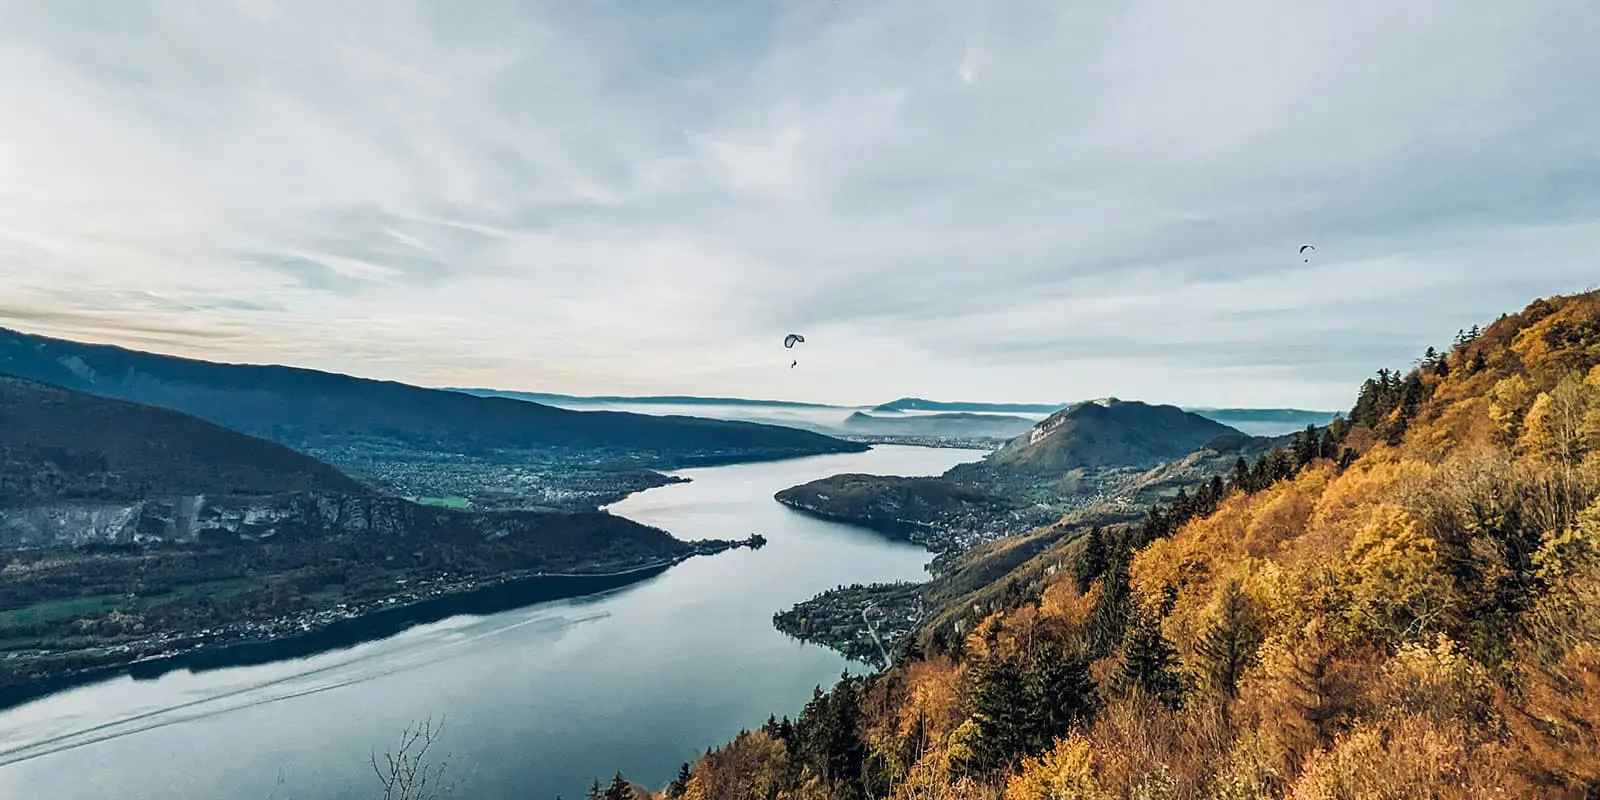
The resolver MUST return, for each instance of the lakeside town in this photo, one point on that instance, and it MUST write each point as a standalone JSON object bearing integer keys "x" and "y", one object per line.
{"x": 22, "y": 666}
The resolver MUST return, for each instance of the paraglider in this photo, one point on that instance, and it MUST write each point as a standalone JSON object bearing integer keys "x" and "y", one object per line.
{"x": 789, "y": 342}
{"x": 1304, "y": 248}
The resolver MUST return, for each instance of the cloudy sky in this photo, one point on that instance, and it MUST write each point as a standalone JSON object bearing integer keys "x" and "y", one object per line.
{"x": 1017, "y": 200}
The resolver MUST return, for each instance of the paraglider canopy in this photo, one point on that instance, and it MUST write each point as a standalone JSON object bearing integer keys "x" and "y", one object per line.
{"x": 1304, "y": 248}
{"x": 790, "y": 340}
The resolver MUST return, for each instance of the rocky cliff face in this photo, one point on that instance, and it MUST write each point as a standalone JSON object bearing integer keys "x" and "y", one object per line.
{"x": 189, "y": 518}
{"x": 211, "y": 518}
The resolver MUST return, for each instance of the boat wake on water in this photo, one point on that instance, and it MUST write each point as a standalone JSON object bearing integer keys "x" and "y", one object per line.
{"x": 364, "y": 663}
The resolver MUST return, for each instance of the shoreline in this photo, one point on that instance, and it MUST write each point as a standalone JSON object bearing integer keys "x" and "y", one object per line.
{"x": 375, "y": 620}
{"x": 322, "y": 630}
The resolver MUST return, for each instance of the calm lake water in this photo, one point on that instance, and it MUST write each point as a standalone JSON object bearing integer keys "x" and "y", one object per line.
{"x": 535, "y": 702}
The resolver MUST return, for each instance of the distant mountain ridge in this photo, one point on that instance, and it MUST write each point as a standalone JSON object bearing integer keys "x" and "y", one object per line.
{"x": 549, "y": 398}
{"x": 920, "y": 404}
{"x": 305, "y": 408}
{"x": 954, "y": 424}
{"x": 976, "y": 422}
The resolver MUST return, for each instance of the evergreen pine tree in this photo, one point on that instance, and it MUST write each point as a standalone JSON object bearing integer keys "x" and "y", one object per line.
{"x": 680, "y": 784}
{"x": 1241, "y": 475}
{"x": 1305, "y": 446}
{"x": 595, "y": 792}
{"x": 1228, "y": 646}
{"x": 786, "y": 733}
{"x": 1155, "y": 525}
{"x": 1180, "y": 511}
{"x": 1149, "y": 663}
{"x": 1108, "y": 617}
{"x": 1328, "y": 446}
{"x": 1059, "y": 691}
{"x": 1002, "y": 712}
{"x": 1477, "y": 363}
{"x": 1091, "y": 560}
{"x": 619, "y": 789}
{"x": 1279, "y": 466}
{"x": 1261, "y": 473}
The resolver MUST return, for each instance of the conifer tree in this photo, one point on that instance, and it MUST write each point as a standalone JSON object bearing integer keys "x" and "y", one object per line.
{"x": 1228, "y": 646}
{"x": 1149, "y": 663}
{"x": 1092, "y": 559}
{"x": 1306, "y": 446}
{"x": 619, "y": 789}
{"x": 680, "y": 784}
{"x": 1108, "y": 617}
{"x": 1241, "y": 475}
{"x": 595, "y": 792}
{"x": 1060, "y": 692}
{"x": 1001, "y": 709}
{"x": 1328, "y": 446}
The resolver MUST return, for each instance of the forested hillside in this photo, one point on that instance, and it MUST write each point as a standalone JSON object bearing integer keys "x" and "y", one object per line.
{"x": 1404, "y": 606}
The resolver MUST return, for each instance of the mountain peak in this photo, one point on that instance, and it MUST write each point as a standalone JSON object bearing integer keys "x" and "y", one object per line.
{"x": 1108, "y": 432}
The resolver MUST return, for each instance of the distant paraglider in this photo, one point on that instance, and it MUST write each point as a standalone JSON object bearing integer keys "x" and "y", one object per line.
{"x": 1304, "y": 248}
{"x": 789, "y": 342}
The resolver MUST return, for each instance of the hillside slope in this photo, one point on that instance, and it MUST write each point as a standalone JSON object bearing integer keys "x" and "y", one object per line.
{"x": 1089, "y": 454}
{"x": 57, "y": 444}
{"x": 1404, "y": 607}
{"x": 1106, "y": 433}
{"x": 129, "y": 531}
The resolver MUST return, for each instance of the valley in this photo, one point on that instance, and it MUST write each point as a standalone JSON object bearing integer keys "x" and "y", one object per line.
{"x": 132, "y": 532}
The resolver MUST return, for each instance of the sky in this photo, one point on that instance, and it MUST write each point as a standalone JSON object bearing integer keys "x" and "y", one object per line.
{"x": 993, "y": 201}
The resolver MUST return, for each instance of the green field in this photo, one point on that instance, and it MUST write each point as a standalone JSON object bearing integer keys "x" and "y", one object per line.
{"x": 443, "y": 502}
{"x": 59, "y": 610}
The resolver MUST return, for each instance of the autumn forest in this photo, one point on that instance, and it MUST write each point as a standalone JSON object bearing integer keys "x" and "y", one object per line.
{"x": 1404, "y": 604}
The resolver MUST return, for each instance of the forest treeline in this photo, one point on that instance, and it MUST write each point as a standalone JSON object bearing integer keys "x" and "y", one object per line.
{"x": 1404, "y": 604}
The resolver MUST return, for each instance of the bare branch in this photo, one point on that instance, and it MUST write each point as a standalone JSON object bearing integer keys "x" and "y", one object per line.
{"x": 406, "y": 774}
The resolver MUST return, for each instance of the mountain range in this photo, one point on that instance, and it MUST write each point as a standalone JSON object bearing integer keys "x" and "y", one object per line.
{"x": 417, "y": 441}
{"x": 902, "y": 417}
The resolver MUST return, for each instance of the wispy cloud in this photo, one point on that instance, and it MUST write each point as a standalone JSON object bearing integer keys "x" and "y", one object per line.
{"x": 963, "y": 199}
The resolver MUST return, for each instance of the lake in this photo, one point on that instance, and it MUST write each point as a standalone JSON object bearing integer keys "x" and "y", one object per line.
{"x": 535, "y": 702}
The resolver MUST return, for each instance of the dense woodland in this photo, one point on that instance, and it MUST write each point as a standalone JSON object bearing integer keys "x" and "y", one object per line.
{"x": 1405, "y": 604}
